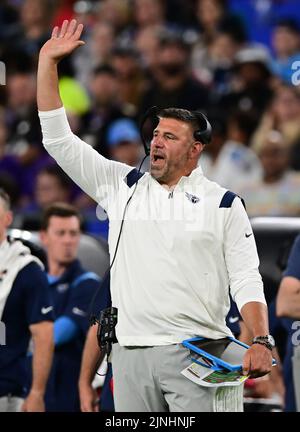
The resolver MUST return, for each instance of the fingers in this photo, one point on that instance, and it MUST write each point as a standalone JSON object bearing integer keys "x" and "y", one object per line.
{"x": 246, "y": 364}
{"x": 68, "y": 30}
{"x": 78, "y": 32}
{"x": 63, "y": 29}
{"x": 55, "y": 32}
{"x": 257, "y": 361}
{"x": 71, "y": 28}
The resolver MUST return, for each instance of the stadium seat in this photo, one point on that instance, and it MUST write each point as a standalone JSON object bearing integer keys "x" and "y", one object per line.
{"x": 274, "y": 238}
{"x": 93, "y": 252}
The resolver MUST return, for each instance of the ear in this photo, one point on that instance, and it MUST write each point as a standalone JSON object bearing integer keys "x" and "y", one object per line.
{"x": 8, "y": 218}
{"x": 196, "y": 149}
{"x": 43, "y": 237}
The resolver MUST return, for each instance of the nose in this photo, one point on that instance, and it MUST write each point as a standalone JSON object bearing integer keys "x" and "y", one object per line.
{"x": 68, "y": 239}
{"x": 157, "y": 142}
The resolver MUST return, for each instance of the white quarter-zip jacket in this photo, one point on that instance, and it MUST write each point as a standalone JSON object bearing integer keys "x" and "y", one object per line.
{"x": 180, "y": 252}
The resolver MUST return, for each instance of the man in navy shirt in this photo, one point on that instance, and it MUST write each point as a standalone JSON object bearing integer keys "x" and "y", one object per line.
{"x": 92, "y": 358}
{"x": 25, "y": 312}
{"x": 288, "y": 307}
{"x": 72, "y": 289}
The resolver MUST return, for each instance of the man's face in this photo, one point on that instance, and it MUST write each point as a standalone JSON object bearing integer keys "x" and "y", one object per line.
{"x": 104, "y": 88}
{"x": 127, "y": 152}
{"x": 171, "y": 150}
{"x": 61, "y": 239}
{"x": 49, "y": 190}
{"x": 5, "y": 220}
{"x": 274, "y": 159}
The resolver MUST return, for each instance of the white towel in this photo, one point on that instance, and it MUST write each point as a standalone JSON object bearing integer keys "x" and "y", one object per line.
{"x": 14, "y": 256}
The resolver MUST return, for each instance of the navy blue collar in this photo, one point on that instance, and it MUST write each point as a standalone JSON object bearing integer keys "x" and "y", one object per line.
{"x": 70, "y": 273}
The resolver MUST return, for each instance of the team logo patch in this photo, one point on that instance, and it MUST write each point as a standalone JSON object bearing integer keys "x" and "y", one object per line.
{"x": 193, "y": 198}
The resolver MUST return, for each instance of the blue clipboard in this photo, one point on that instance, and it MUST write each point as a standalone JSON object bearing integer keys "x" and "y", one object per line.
{"x": 226, "y": 353}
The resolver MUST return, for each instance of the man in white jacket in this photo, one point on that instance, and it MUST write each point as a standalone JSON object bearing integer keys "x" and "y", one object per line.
{"x": 25, "y": 312}
{"x": 184, "y": 242}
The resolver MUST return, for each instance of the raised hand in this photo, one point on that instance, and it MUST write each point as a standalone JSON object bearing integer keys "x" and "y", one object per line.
{"x": 63, "y": 41}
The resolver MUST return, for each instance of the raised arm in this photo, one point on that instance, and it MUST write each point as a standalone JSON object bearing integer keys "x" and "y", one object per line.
{"x": 62, "y": 43}
{"x": 98, "y": 177}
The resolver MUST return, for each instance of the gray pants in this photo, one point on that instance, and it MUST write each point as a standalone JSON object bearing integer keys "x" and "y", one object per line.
{"x": 148, "y": 379}
{"x": 10, "y": 404}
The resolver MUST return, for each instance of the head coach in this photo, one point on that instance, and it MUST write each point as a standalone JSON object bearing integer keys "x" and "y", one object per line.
{"x": 184, "y": 242}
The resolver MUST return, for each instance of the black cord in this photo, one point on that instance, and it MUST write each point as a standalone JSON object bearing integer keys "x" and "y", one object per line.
{"x": 93, "y": 319}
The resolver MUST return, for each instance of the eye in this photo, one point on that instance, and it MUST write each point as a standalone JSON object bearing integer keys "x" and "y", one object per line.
{"x": 170, "y": 137}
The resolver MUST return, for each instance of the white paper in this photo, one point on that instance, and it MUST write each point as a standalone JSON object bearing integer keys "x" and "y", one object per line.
{"x": 208, "y": 377}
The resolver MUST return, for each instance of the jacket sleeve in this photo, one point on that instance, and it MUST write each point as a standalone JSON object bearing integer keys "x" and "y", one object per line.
{"x": 241, "y": 257}
{"x": 97, "y": 176}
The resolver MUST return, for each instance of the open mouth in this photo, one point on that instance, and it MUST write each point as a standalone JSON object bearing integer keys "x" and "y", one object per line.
{"x": 157, "y": 159}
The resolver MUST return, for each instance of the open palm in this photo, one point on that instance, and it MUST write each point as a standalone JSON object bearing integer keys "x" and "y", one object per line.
{"x": 63, "y": 41}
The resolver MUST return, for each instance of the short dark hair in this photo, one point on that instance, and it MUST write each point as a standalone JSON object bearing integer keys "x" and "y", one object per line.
{"x": 56, "y": 171}
{"x": 289, "y": 23}
{"x": 5, "y": 198}
{"x": 61, "y": 210}
{"x": 104, "y": 69}
{"x": 183, "y": 115}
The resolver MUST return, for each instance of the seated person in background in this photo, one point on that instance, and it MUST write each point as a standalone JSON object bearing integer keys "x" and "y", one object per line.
{"x": 25, "y": 311}
{"x": 72, "y": 289}
{"x": 92, "y": 358}
{"x": 228, "y": 160}
{"x": 52, "y": 185}
{"x": 277, "y": 194}
{"x": 286, "y": 46}
{"x": 124, "y": 141}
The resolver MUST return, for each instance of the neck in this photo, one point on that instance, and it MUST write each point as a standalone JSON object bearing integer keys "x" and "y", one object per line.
{"x": 56, "y": 268}
{"x": 273, "y": 178}
{"x": 171, "y": 183}
{"x": 2, "y": 239}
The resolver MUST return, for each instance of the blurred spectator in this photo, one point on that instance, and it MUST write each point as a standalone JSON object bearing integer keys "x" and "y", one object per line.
{"x": 25, "y": 311}
{"x": 277, "y": 194}
{"x": 227, "y": 159}
{"x": 8, "y": 16}
{"x": 106, "y": 107}
{"x": 148, "y": 13}
{"x": 52, "y": 185}
{"x": 126, "y": 64}
{"x": 282, "y": 115}
{"x": 33, "y": 29}
{"x": 212, "y": 63}
{"x": 213, "y": 16}
{"x": 125, "y": 143}
{"x": 147, "y": 44}
{"x": 97, "y": 50}
{"x": 286, "y": 46}
{"x": 251, "y": 87}
{"x": 72, "y": 289}
{"x": 24, "y": 136}
{"x": 10, "y": 166}
{"x": 114, "y": 12}
{"x": 173, "y": 85}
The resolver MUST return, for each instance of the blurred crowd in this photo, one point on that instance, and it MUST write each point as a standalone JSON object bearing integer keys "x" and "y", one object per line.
{"x": 235, "y": 61}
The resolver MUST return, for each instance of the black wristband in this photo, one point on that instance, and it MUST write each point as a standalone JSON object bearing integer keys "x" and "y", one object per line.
{"x": 266, "y": 344}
